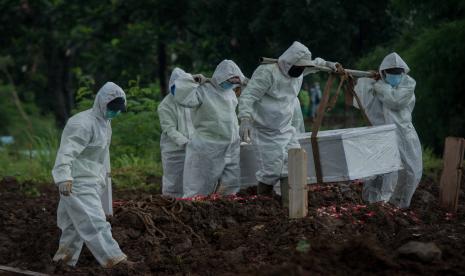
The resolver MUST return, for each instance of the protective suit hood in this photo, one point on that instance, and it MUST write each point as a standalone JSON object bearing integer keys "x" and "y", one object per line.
{"x": 177, "y": 73}
{"x": 107, "y": 93}
{"x": 226, "y": 70}
{"x": 297, "y": 53}
{"x": 393, "y": 60}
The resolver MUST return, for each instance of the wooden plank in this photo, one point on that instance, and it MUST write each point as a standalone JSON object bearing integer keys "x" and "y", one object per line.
{"x": 298, "y": 193}
{"x": 20, "y": 271}
{"x": 452, "y": 173}
{"x": 316, "y": 127}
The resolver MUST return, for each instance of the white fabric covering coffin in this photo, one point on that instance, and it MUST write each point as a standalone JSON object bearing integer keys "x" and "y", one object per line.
{"x": 346, "y": 154}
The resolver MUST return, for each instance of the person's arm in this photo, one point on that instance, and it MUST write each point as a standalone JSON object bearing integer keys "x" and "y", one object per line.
{"x": 74, "y": 140}
{"x": 168, "y": 122}
{"x": 322, "y": 63}
{"x": 186, "y": 93}
{"x": 297, "y": 117}
{"x": 364, "y": 91}
{"x": 107, "y": 163}
{"x": 257, "y": 86}
{"x": 395, "y": 98}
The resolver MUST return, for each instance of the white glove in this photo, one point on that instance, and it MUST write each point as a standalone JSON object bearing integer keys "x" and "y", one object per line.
{"x": 199, "y": 78}
{"x": 245, "y": 130}
{"x": 245, "y": 82}
{"x": 65, "y": 188}
{"x": 332, "y": 65}
{"x": 184, "y": 145}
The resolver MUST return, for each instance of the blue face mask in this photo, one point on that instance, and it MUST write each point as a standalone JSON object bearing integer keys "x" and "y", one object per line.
{"x": 172, "y": 89}
{"x": 392, "y": 79}
{"x": 226, "y": 85}
{"x": 110, "y": 114}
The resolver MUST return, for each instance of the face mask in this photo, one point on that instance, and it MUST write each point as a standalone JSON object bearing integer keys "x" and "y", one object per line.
{"x": 296, "y": 71}
{"x": 110, "y": 114}
{"x": 172, "y": 88}
{"x": 226, "y": 85}
{"x": 392, "y": 79}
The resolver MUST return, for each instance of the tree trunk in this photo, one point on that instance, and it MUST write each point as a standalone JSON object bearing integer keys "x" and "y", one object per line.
{"x": 54, "y": 81}
{"x": 162, "y": 67}
{"x": 68, "y": 94}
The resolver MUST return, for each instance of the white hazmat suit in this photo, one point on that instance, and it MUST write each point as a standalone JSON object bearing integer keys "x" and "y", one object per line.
{"x": 212, "y": 155}
{"x": 385, "y": 104}
{"x": 269, "y": 100}
{"x": 84, "y": 159}
{"x": 298, "y": 117}
{"x": 177, "y": 129}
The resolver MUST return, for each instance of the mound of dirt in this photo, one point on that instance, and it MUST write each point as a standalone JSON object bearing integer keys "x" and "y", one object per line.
{"x": 242, "y": 234}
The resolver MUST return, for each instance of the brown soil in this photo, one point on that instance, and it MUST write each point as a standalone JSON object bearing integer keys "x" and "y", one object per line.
{"x": 241, "y": 235}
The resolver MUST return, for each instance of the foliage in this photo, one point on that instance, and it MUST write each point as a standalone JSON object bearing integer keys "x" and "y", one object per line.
{"x": 130, "y": 171}
{"x": 60, "y": 52}
{"x": 432, "y": 165}
{"x": 31, "y": 164}
{"x": 135, "y": 151}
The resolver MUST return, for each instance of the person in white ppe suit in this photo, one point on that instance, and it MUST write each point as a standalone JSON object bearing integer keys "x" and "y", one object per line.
{"x": 298, "y": 117}
{"x": 82, "y": 171}
{"x": 390, "y": 100}
{"x": 266, "y": 109}
{"x": 177, "y": 129}
{"x": 212, "y": 155}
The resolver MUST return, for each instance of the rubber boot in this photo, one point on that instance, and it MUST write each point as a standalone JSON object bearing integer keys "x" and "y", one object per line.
{"x": 284, "y": 191}
{"x": 264, "y": 189}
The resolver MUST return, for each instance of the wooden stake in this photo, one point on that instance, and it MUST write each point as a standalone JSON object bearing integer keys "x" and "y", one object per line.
{"x": 298, "y": 197}
{"x": 452, "y": 173}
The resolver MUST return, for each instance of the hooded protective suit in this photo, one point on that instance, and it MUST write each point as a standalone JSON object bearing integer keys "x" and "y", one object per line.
{"x": 84, "y": 159}
{"x": 385, "y": 104}
{"x": 212, "y": 156}
{"x": 176, "y": 124}
{"x": 298, "y": 117}
{"x": 269, "y": 100}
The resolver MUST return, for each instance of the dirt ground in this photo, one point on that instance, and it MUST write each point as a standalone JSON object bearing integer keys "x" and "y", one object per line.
{"x": 243, "y": 234}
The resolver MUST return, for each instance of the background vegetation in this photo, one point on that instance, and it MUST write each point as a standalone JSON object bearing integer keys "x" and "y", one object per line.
{"x": 55, "y": 55}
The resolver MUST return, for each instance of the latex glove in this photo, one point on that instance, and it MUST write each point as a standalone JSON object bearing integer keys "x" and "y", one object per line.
{"x": 199, "y": 78}
{"x": 376, "y": 75}
{"x": 184, "y": 145}
{"x": 181, "y": 141}
{"x": 332, "y": 65}
{"x": 65, "y": 188}
{"x": 245, "y": 130}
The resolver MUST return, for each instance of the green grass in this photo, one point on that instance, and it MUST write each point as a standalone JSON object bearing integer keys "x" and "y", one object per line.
{"x": 35, "y": 164}
{"x": 432, "y": 165}
{"x": 130, "y": 171}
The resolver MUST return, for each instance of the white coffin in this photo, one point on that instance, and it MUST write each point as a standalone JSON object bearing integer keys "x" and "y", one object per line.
{"x": 354, "y": 153}
{"x": 346, "y": 154}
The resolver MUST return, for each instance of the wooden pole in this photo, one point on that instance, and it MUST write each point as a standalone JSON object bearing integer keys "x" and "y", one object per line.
{"x": 355, "y": 73}
{"x": 452, "y": 173}
{"x": 298, "y": 193}
{"x": 20, "y": 271}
